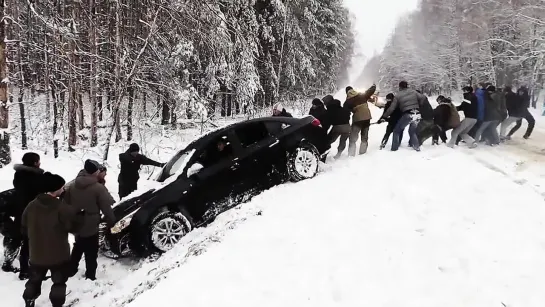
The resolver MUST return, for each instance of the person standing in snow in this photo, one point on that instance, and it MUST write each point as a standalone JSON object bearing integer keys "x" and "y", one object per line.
{"x": 469, "y": 107}
{"x": 426, "y": 127}
{"x": 86, "y": 193}
{"x": 408, "y": 101}
{"x": 12, "y": 234}
{"x": 339, "y": 118}
{"x": 493, "y": 115}
{"x": 47, "y": 221}
{"x": 318, "y": 110}
{"x": 280, "y": 111}
{"x": 131, "y": 161}
{"x": 28, "y": 183}
{"x": 446, "y": 117}
{"x": 392, "y": 120}
{"x": 515, "y": 110}
{"x": 357, "y": 103}
{"x": 524, "y": 98}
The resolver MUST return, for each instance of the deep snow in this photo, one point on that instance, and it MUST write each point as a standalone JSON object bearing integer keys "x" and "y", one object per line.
{"x": 441, "y": 227}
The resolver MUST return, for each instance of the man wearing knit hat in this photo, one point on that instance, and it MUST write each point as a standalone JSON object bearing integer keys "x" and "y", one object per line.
{"x": 47, "y": 221}
{"x": 131, "y": 161}
{"x": 86, "y": 193}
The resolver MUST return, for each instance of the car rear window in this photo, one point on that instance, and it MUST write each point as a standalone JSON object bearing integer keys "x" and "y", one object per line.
{"x": 252, "y": 133}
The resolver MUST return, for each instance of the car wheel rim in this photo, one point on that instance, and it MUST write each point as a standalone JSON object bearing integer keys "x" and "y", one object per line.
{"x": 124, "y": 248}
{"x": 306, "y": 163}
{"x": 167, "y": 232}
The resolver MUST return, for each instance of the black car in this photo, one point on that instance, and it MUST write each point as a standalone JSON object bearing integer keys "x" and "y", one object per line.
{"x": 215, "y": 173}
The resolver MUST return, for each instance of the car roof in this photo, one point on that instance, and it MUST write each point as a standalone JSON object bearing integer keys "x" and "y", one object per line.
{"x": 215, "y": 133}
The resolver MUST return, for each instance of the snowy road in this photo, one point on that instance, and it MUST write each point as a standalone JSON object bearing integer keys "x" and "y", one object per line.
{"x": 441, "y": 227}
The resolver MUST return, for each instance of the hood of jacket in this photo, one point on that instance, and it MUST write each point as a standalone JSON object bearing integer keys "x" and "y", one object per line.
{"x": 351, "y": 94}
{"x": 46, "y": 202}
{"x": 84, "y": 180}
{"x": 24, "y": 168}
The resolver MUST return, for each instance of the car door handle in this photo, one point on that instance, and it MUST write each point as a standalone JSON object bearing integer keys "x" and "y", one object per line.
{"x": 274, "y": 144}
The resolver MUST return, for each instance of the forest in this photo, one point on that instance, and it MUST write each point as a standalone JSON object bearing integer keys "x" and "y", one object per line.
{"x": 447, "y": 44}
{"x": 84, "y": 65}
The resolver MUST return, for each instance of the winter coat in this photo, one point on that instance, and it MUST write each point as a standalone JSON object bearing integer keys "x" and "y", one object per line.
{"x": 515, "y": 105}
{"x": 469, "y": 106}
{"x": 130, "y": 166}
{"x": 406, "y": 100}
{"x": 47, "y": 221}
{"x": 441, "y": 116}
{"x": 426, "y": 111}
{"x": 357, "y": 104}
{"x": 481, "y": 103}
{"x": 524, "y": 96}
{"x": 28, "y": 183}
{"x": 85, "y": 192}
{"x": 337, "y": 114}
{"x": 493, "y": 109}
{"x": 320, "y": 113}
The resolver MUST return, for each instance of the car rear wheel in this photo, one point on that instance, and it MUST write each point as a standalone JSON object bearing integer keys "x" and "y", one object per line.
{"x": 168, "y": 228}
{"x": 303, "y": 163}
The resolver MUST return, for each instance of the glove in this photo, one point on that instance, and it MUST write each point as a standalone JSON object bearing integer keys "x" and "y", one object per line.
{"x": 163, "y": 164}
{"x": 381, "y": 120}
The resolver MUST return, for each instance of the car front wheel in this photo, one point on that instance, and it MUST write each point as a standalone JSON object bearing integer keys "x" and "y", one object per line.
{"x": 303, "y": 163}
{"x": 168, "y": 228}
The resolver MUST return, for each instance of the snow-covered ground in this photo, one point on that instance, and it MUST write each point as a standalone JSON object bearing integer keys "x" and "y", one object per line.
{"x": 443, "y": 227}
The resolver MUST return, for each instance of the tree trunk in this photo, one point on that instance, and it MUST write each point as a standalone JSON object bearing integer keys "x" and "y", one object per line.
{"x": 165, "y": 112}
{"x": 129, "y": 113}
{"x": 81, "y": 116}
{"x": 55, "y": 97}
{"x": 173, "y": 117}
{"x": 24, "y": 144}
{"x": 5, "y": 151}
{"x": 92, "y": 79}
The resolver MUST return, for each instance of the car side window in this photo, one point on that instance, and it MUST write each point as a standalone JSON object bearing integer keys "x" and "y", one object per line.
{"x": 251, "y": 134}
{"x": 216, "y": 151}
{"x": 276, "y": 127}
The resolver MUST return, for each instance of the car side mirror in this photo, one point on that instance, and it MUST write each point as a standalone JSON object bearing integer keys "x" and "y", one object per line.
{"x": 194, "y": 169}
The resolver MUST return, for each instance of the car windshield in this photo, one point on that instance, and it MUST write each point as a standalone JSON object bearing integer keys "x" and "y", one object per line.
{"x": 175, "y": 165}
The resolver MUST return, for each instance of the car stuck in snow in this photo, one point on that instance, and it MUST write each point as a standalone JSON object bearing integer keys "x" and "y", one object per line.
{"x": 212, "y": 174}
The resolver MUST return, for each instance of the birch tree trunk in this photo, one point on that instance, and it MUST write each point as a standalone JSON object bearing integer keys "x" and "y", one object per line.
{"x": 93, "y": 79}
{"x": 5, "y": 151}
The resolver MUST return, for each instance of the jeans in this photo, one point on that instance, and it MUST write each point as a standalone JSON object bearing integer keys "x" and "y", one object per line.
{"x": 404, "y": 121}
{"x": 506, "y": 123}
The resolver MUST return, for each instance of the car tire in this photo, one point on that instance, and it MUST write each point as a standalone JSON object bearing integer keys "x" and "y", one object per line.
{"x": 303, "y": 163}
{"x": 168, "y": 228}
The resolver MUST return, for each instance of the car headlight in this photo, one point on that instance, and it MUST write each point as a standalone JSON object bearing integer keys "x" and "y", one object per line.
{"x": 123, "y": 223}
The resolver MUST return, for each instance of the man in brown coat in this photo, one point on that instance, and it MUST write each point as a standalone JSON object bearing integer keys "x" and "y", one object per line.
{"x": 47, "y": 221}
{"x": 85, "y": 192}
{"x": 361, "y": 118}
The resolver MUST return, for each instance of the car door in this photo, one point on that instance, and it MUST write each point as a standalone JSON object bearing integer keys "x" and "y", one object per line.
{"x": 212, "y": 189}
{"x": 257, "y": 154}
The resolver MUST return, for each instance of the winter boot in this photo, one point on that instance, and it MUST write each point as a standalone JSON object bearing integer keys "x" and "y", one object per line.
{"x": 30, "y": 303}
{"x": 23, "y": 276}
{"x": 337, "y": 156}
{"x": 526, "y": 137}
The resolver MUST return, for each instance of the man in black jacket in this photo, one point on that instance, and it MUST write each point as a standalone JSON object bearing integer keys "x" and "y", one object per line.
{"x": 131, "y": 161}
{"x": 339, "y": 118}
{"x": 12, "y": 238}
{"x": 392, "y": 120}
{"x": 28, "y": 183}
{"x": 524, "y": 98}
{"x": 318, "y": 110}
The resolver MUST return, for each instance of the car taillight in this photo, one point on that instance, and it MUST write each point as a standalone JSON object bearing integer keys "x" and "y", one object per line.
{"x": 316, "y": 123}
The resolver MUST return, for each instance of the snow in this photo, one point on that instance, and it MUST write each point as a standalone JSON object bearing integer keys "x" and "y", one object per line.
{"x": 441, "y": 227}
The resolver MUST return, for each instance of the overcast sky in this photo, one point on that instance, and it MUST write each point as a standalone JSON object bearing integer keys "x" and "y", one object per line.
{"x": 375, "y": 20}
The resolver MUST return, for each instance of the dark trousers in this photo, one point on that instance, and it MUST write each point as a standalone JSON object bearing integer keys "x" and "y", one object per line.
{"x": 88, "y": 247}
{"x": 33, "y": 287}
{"x": 127, "y": 188}
{"x": 425, "y": 130}
{"x": 389, "y": 130}
{"x": 531, "y": 124}
{"x": 404, "y": 121}
{"x": 14, "y": 245}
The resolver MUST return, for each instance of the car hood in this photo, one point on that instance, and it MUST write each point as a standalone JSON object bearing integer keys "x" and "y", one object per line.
{"x": 128, "y": 206}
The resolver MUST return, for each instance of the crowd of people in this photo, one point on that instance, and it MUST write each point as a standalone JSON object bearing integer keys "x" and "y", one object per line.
{"x": 39, "y": 213}
{"x": 485, "y": 109}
